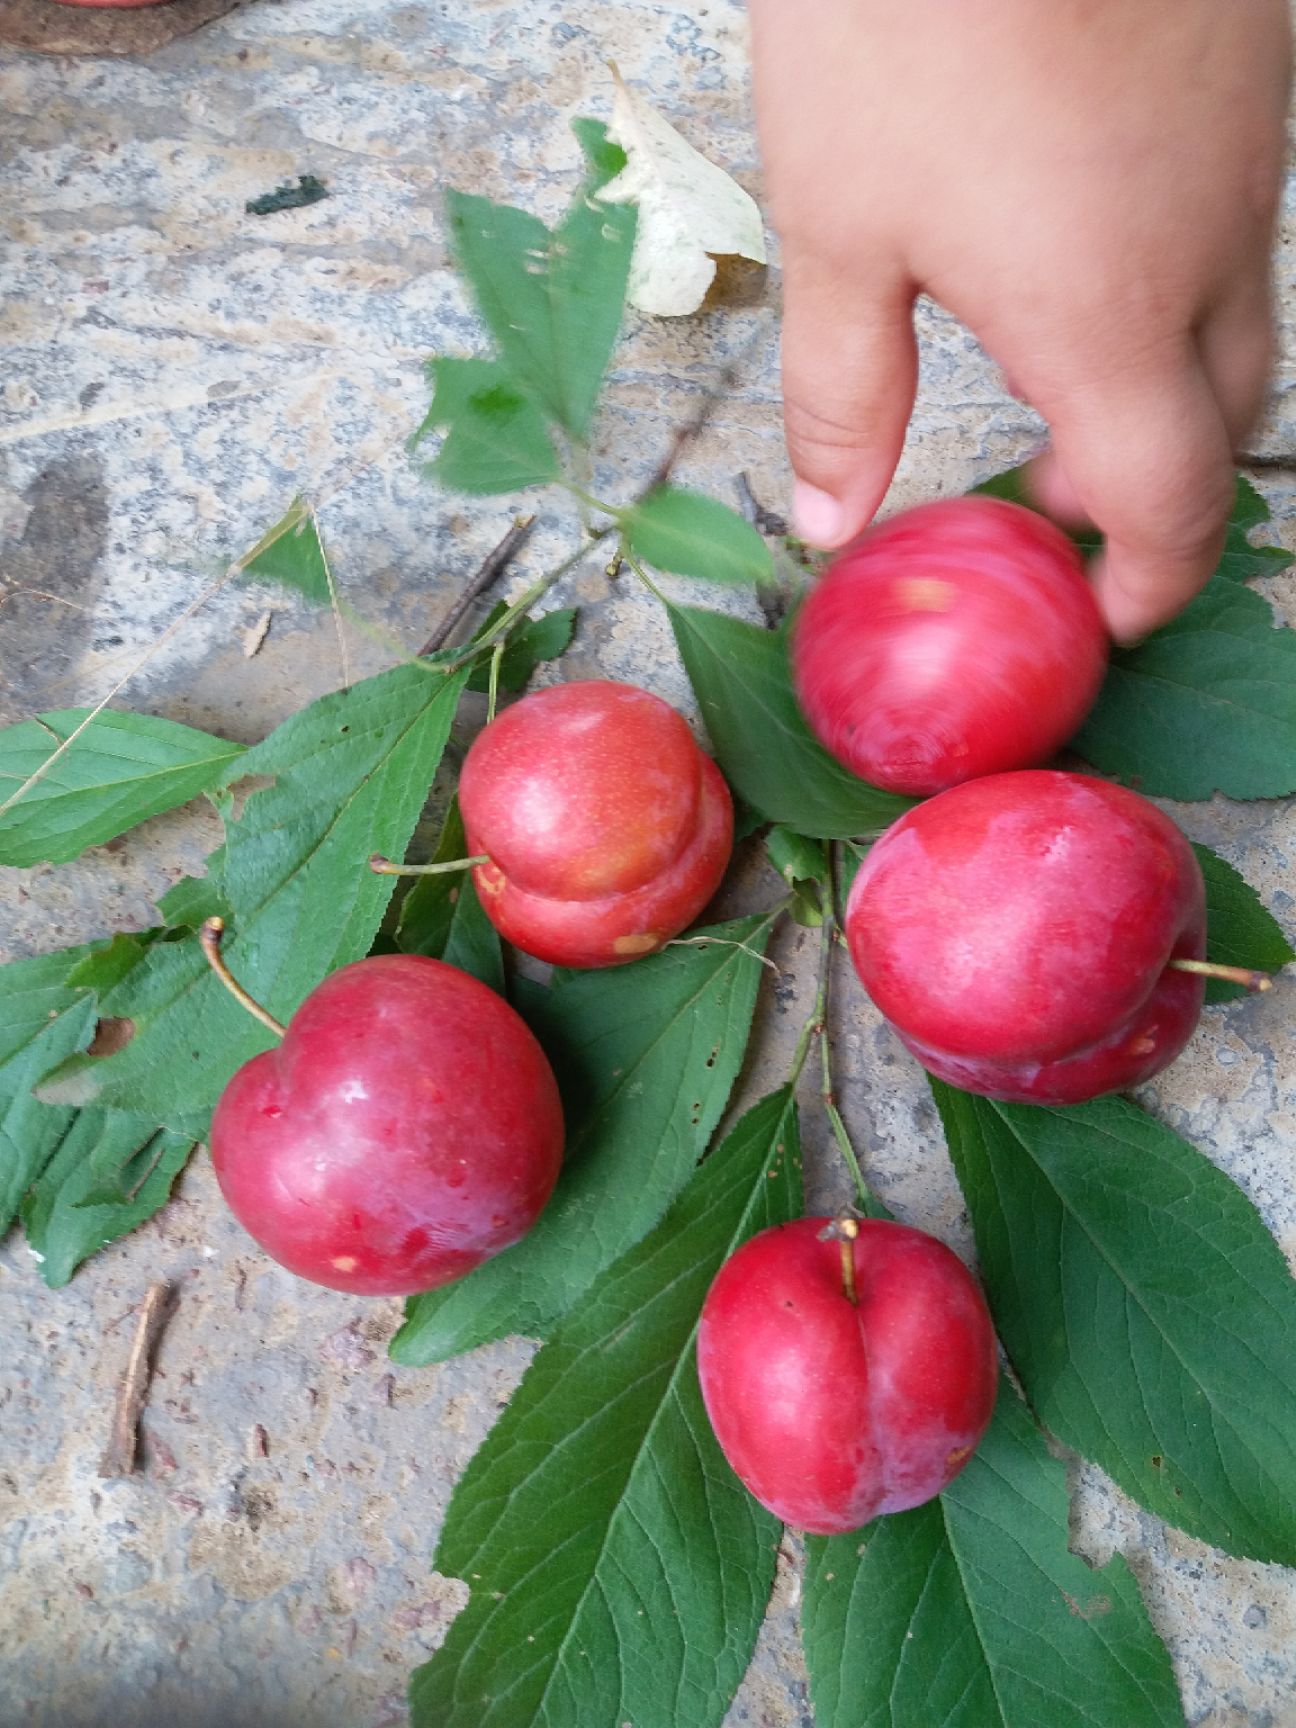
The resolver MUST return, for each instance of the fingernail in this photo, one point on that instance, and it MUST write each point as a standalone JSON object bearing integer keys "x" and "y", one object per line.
{"x": 817, "y": 516}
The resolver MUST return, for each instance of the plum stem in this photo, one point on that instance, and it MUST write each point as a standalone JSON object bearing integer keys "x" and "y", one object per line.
{"x": 385, "y": 867}
{"x": 209, "y": 937}
{"x": 1247, "y": 976}
{"x": 844, "y": 1230}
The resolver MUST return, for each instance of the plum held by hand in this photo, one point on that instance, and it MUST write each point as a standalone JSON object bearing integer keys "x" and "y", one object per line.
{"x": 605, "y": 827}
{"x": 407, "y": 1128}
{"x": 953, "y": 640}
{"x": 848, "y": 1369}
{"x": 1034, "y": 937}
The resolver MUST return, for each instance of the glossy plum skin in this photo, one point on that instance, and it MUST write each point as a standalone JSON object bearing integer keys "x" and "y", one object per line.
{"x": 606, "y": 827}
{"x": 831, "y": 1413}
{"x": 1016, "y": 932}
{"x": 954, "y": 640}
{"x": 407, "y": 1128}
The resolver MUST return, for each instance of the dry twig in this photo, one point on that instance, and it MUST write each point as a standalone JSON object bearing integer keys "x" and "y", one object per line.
{"x": 489, "y": 571}
{"x": 121, "y": 1454}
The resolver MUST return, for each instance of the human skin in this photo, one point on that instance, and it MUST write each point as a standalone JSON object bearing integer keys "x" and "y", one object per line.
{"x": 1090, "y": 186}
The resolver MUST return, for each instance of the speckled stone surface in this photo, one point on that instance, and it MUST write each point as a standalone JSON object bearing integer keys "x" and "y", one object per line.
{"x": 174, "y": 371}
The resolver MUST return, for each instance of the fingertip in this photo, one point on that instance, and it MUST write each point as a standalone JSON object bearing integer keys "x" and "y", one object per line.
{"x": 1137, "y": 595}
{"x": 818, "y": 518}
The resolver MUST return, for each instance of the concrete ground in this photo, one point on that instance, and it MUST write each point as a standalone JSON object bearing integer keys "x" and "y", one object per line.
{"x": 175, "y": 370}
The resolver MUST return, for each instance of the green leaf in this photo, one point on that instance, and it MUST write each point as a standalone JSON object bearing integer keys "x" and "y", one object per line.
{"x": 1241, "y": 561}
{"x": 743, "y": 684}
{"x": 551, "y": 300}
{"x": 619, "y": 1571}
{"x": 544, "y": 638}
{"x": 696, "y": 536}
{"x": 1145, "y": 1307}
{"x": 106, "y": 965}
{"x": 110, "y": 1172}
{"x": 122, "y": 769}
{"x": 291, "y": 555}
{"x": 605, "y": 159}
{"x": 803, "y": 865}
{"x": 351, "y": 772}
{"x": 193, "y": 900}
{"x": 42, "y": 1020}
{"x": 971, "y": 1611}
{"x": 1240, "y": 931}
{"x": 496, "y": 439}
{"x": 646, "y": 1055}
{"x": 473, "y": 944}
{"x": 796, "y": 857}
{"x": 849, "y": 861}
{"x": 1206, "y": 704}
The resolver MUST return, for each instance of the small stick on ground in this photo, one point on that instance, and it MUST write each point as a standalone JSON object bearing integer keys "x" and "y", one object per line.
{"x": 1282, "y": 463}
{"x": 697, "y": 424}
{"x": 492, "y": 567}
{"x": 122, "y": 1452}
{"x": 762, "y": 520}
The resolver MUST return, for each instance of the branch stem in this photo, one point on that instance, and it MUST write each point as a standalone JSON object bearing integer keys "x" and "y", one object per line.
{"x": 491, "y": 568}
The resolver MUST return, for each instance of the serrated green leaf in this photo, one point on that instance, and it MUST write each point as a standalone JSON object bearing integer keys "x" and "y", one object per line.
{"x": 743, "y": 684}
{"x": 646, "y": 1055}
{"x": 1241, "y": 561}
{"x": 455, "y": 380}
{"x": 351, "y": 772}
{"x": 544, "y": 638}
{"x": 696, "y": 536}
{"x": 110, "y": 1173}
{"x": 619, "y": 1571}
{"x": 42, "y": 1020}
{"x": 551, "y": 300}
{"x": 194, "y": 899}
{"x": 971, "y": 1611}
{"x": 1206, "y": 704}
{"x": 495, "y": 440}
{"x": 122, "y": 769}
{"x": 291, "y": 555}
{"x": 1240, "y": 931}
{"x": 605, "y": 159}
{"x": 1145, "y": 1307}
{"x": 107, "y": 965}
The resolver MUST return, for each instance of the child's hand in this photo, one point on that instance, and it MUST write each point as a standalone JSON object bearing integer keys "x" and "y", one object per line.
{"x": 1090, "y": 186}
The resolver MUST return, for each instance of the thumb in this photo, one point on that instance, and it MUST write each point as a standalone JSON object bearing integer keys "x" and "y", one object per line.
{"x": 850, "y": 369}
{"x": 1148, "y": 461}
